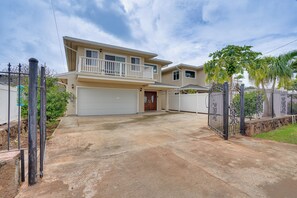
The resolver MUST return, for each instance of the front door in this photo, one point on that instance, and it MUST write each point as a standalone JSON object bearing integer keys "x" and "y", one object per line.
{"x": 150, "y": 101}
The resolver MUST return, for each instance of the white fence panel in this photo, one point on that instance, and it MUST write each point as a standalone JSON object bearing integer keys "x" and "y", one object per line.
{"x": 189, "y": 102}
{"x": 4, "y": 104}
{"x": 173, "y": 101}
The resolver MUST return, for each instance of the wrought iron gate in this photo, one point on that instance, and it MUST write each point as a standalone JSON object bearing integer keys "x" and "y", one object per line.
{"x": 224, "y": 117}
{"x": 217, "y": 109}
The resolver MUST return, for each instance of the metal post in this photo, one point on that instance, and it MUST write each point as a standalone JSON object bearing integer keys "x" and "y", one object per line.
{"x": 22, "y": 165}
{"x": 272, "y": 104}
{"x": 42, "y": 118}
{"x": 208, "y": 106}
{"x": 19, "y": 108}
{"x": 32, "y": 106}
{"x": 8, "y": 119}
{"x": 291, "y": 104}
{"x": 242, "y": 116}
{"x": 226, "y": 110}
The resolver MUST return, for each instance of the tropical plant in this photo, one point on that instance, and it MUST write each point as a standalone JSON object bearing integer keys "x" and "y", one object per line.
{"x": 253, "y": 103}
{"x": 229, "y": 61}
{"x": 56, "y": 100}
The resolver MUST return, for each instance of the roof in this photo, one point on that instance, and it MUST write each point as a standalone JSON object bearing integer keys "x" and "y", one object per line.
{"x": 163, "y": 85}
{"x": 181, "y": 66}
{"x": 108, "y": 46}
{"x": 161, "y": 62}
{"x": 195, "y": 87}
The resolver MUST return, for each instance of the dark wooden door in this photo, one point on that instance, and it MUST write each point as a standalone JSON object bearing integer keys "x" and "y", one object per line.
{"x": 150, "y": 101}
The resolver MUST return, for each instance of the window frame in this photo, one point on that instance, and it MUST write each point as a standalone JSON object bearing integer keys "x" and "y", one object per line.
{"x": 88, "y": 49}
{"x": 190, "y": 71}
{"x": 173, "y": 75}
{"x": 111, "y": 54}
{"x": 135, "y": 64}
{"x": 151, "y": 64}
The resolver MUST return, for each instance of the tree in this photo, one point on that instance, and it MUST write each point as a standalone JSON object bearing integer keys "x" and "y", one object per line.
{"x": 229, "y": 61}
{"x": 281, "y": 69}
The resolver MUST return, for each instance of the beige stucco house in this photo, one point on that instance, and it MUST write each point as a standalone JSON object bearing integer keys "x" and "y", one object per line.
{"x": 186, "y": 77}
{"x": 107, "y": 79}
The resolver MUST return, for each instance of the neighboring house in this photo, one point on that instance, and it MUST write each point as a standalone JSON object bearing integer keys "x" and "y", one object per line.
{"x": 186, "y": 77}
{"x": 107, "y": 79}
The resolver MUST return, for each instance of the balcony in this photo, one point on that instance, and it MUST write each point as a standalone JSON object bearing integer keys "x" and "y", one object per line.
{"x": 114, "y": 68}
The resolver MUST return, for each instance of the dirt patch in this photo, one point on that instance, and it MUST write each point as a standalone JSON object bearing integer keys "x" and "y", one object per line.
{"x": 284, "y": 188}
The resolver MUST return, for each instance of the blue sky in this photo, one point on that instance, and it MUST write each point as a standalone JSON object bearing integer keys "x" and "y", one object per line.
{"x": 178, "y": 30}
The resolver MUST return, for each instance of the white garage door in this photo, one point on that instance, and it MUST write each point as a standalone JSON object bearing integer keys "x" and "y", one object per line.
{"x": 101, "y": 101}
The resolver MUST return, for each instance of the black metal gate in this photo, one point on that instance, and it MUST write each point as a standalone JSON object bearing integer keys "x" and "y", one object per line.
{"x": 236, "y": 108}
{"x": 224, "y": 117}
{"x": 217, "y": 111}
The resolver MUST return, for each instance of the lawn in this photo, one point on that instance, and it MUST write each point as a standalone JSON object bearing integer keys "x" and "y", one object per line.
{"x": 286, "y": 134}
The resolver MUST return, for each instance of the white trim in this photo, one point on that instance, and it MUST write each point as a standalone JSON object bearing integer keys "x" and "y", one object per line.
{"x": 149, "y": 64}
{"x": 121, "y": 79}
{"x": 135, "y": 64}
{"x": 91, "y": 50}
{"x": 172, "y": 75}
{"x": 137, "y": 95}
{"x": 190, "y": 71}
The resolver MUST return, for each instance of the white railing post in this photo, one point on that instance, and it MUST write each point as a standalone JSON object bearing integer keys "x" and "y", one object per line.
{"x": 179, "y": 100}
{"x": 121, "y": 68}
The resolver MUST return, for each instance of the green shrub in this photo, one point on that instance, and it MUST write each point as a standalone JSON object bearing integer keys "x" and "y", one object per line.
{"x": 56, "y": 100}
{"x": 251, "y": 101}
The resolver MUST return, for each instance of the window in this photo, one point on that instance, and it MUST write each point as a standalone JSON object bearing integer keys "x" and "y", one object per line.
{"x": 135, "y": 64}
{"x": 175, "y": 75}
{"x": 112, "y": 65}
{"x": 91, "y": 55}
{"x": 190, "y": 74}
{"x": 155, "y": 67}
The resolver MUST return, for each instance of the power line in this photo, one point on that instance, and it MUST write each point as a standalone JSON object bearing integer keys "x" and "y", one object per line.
{"x": 280, "y": 47}
{"x": 57, "y": 30}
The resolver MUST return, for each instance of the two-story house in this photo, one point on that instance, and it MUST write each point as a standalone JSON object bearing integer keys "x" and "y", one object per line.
{"x": 186, "y": 77}
{"x": 107, "y": 79}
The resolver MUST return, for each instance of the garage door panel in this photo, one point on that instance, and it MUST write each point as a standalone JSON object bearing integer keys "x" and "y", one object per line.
{"x": 93, "y": 101}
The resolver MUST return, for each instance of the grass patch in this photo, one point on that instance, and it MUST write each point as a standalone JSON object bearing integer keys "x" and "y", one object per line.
{"x": 287, "y": 134}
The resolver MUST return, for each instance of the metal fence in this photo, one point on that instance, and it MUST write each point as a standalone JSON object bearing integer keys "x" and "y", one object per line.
{"x": 14, "y": 78}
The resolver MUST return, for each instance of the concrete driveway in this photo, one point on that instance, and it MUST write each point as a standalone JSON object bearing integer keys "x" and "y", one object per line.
{"x": 161, "y": 155}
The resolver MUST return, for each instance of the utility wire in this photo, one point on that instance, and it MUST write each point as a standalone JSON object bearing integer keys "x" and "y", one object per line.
{"x": 280, "y": 47}
{"x": 57, "y": 30}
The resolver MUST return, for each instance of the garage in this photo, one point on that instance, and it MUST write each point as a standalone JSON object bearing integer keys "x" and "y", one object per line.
{"x": 106, "y": 101}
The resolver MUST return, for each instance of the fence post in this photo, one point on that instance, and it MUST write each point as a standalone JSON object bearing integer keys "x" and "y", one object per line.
{"x": 42, "y": 127}
{"x": 22, "y": 165}
{"x": 272, "y": 104}
{"x": 8, "y": 110}
{"x": 178, "y": 99}
{"x": 19, "y": 108}
{"x": 242, "y": 116}
{"x": 32, "y": 112}
{"x": 291, "y": 104}
{"x": 208, "y": 106}
{"x": 226, "y": 109}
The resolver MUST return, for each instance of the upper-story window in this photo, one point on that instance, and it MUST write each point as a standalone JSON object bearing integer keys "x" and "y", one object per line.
{"x": 155, "y": 67}
{"x": 115, "y": 58}
{"x": 175, "y": 75}
{"x": 92, "y": 55}
{"x": 135, "y": 63}
{"x": 190, "y": 74}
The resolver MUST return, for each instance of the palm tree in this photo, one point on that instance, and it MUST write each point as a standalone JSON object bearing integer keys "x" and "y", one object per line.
{"x": 281, "y": 69}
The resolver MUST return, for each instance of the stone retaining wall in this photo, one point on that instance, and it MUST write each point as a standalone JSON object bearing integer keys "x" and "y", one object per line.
{"x": 9, "y": 173}
{"x": 13, "y": 133}
{"x": 265, "y": 124}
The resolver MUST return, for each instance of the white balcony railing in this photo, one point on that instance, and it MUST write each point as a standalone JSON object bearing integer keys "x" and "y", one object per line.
{"x": 114, "y": 68}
